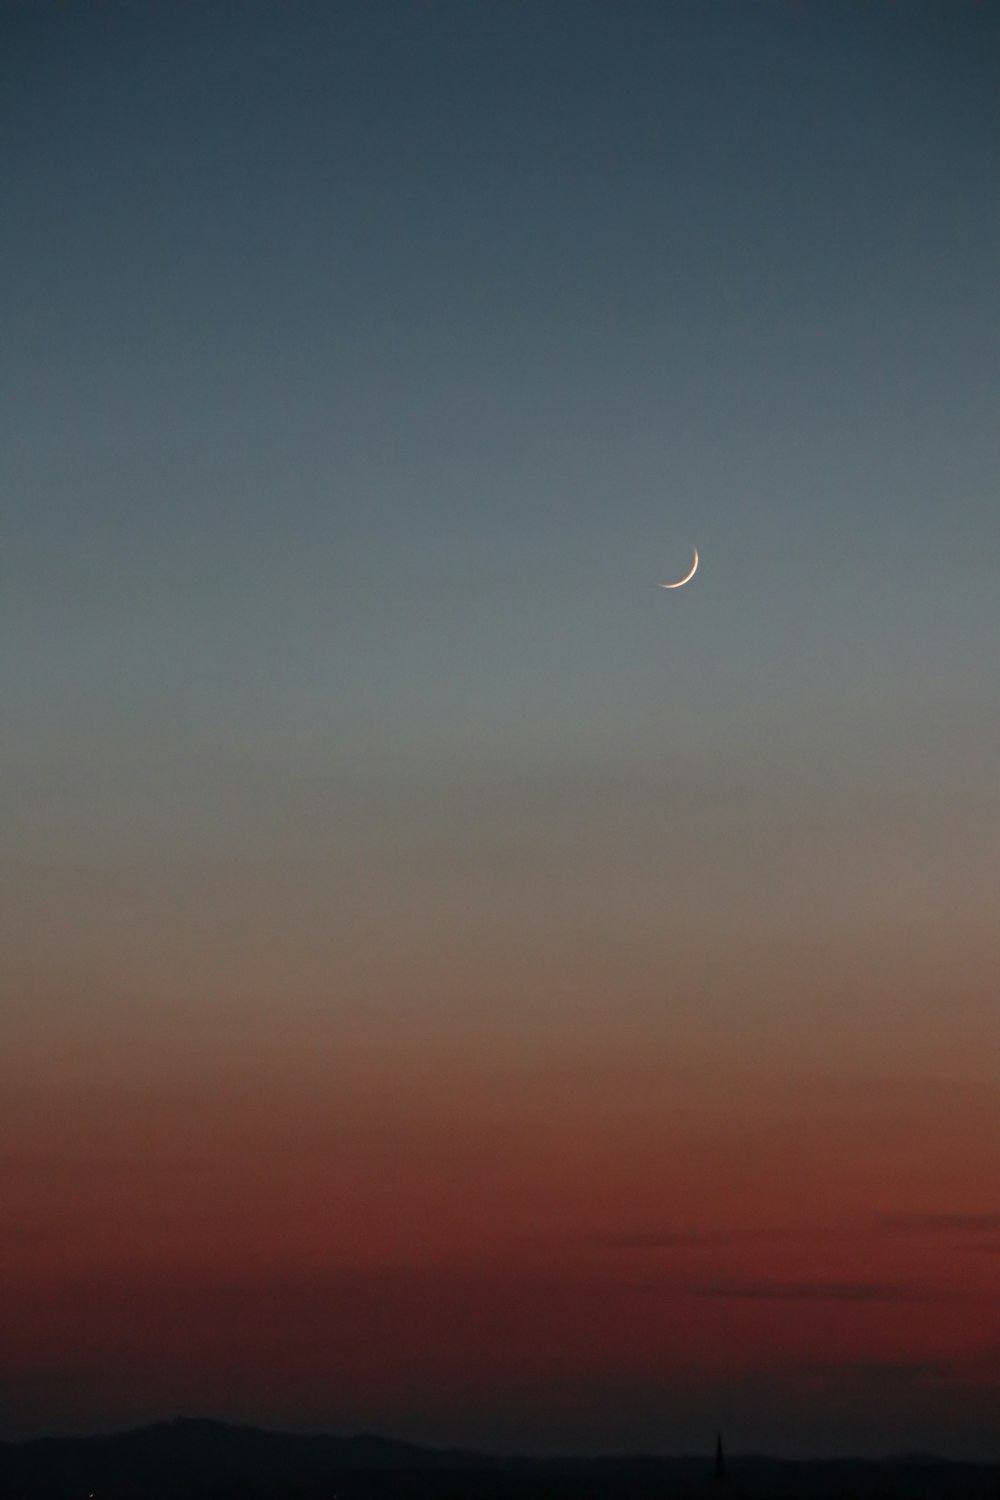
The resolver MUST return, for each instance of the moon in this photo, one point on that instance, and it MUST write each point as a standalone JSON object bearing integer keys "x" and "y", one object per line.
{"x": 687, "y": 576}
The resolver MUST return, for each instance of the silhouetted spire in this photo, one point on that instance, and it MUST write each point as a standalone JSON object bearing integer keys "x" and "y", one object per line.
{"x": 720, "y": 1460}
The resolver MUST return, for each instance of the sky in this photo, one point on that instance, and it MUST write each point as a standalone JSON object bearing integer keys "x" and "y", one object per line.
{"x": 451, "y": 986}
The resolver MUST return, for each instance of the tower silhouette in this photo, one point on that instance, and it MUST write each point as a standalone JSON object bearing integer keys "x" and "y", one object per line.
{"x": 720, "y": 1460}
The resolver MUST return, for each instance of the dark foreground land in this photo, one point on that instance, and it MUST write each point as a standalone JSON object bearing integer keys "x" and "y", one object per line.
{"x": 213, "y": 1461}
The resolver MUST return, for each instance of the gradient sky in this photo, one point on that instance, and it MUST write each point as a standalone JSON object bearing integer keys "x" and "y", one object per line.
{"x": 451, "y": 986}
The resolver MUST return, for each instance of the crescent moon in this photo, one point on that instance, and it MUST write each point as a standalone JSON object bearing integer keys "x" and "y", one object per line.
{"x": 687, "y": 576}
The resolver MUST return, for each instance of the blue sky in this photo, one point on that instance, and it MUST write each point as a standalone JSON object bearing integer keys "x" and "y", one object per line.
{"x": 366, "y": 367}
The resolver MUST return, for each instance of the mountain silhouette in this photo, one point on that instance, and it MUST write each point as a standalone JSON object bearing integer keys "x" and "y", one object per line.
{"x": 206, "y": 1460}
